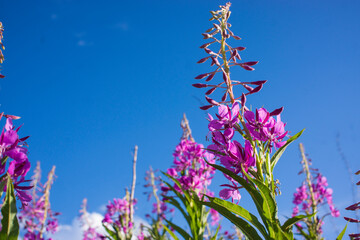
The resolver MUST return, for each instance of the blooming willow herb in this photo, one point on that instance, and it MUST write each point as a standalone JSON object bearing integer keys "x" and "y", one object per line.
{"x": 191, "y": 176}
{"x": 37, "y": 217}
{"x": 247, "y": 162}
{"x": 313, "y": 193}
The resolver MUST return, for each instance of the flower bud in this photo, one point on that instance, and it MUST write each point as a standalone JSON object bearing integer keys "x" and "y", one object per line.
{"x": 199, "y": 85}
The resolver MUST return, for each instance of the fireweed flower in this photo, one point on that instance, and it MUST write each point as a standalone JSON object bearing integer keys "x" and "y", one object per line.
{"x": 13, "y": 150}
{"x": 190, "y": 168}
{"x": 37, "y": 217}
{"x": 312, "y": 193}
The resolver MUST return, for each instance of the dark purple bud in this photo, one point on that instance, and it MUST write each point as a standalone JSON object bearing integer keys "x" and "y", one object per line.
{"x": 12, "y": 116}
{"x": 203, "y": 60}
{"x": 210, "y": 91}
{"x": 206, "y": 107}
{"x": 243, "y": 100}
{"x": 352, "y": 220}
{"x": 211, "y": 101}
{"x": 206, "y": 35}
{"x": 216, "y": 26}
{"x": 2, "y": 76}
{"x": 240, "y": 48}
{"x": 357, "y": 173}
{"x": 210, "y": 77}
{"x": 234, "y": 53}
{"x": 353, "y": 207}
{"x": 215, "y": 61}
{"x": 354, "y": 235}
{"x": 236, "y": 37}
{"x": 257, "y": 89}
{"x": 206, "y": 45}
{"x": 277, "y": 111}
{"x": 208, "y": 51}
{"x": 23, "y": 139}
{"x": 251, "y": 63}
{"x": 246, "y": 67}
{"x": 257, "y": 82}
{"x": 201, "y": 76}
{"x": 200, "y": 85}
{"x": 224, "y": 97}
{"x": 247, "y": 87}
{"x": 209, "y": 30}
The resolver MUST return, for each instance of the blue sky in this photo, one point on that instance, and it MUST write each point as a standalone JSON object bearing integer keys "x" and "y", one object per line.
{"x": 91, "y": 79}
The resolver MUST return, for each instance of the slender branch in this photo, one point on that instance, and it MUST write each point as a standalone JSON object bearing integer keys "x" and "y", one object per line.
{"x": 46, "y": 200}
{"x": 132, "y": 193}
{"x": 308, "y": 181}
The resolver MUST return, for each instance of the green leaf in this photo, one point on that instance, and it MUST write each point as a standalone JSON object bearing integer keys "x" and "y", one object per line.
{"x": 171, "y": 232}
{"x": 244, "y": 226}
{"x": 275, "y": 158}
{"x": 262, "y": 206}
{"x": 178, "y": 229}
{"x": 291, "y": 221}
{"x": 242, "y": 212}
{"x": 111, "y": 233}
{"x": 9, "y": 222}
{"x": 341, "y": 235}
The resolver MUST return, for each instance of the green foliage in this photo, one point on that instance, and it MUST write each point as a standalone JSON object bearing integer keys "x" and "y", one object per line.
{"x": 9, "y": 222}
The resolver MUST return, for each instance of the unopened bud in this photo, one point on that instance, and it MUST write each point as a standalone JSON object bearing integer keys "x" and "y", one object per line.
{"x": 199, "y": 85}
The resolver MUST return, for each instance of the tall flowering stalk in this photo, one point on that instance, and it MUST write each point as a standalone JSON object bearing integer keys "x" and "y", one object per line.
{"x": 313, "y": 193}
{"x": 247, "y": 163}
{"x": 191, "y": 176}
{"x": 38, "y": 218}
{"x": 1, "y": 46}
{"x": 119, "y": 217}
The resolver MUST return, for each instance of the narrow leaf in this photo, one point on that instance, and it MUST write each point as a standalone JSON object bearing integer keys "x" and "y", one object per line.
{"x": 275, "y": 158}
{"x": 9, "y": 222}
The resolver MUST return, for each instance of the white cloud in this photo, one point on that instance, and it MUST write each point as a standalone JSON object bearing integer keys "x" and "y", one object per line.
{"x": 75, "y": 230}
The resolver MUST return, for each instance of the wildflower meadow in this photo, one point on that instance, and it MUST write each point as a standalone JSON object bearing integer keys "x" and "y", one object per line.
{"x": 190, "y": 120}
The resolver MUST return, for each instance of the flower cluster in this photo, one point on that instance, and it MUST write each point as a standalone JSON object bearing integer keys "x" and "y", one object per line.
{"x": 190, "y": 167}
{"x": 312, "y": 193}
{"x": 260, "y": 125}
{"x": 38, "y": 218}
{"x": 117, "y": 214}
{"x": 13, "y": 147}
{"x": 321, "y": 194}
{"x": 264, "y": 127}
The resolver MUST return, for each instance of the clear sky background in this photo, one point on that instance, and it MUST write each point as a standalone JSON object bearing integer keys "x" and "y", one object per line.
{"x": 91, "y": 79}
